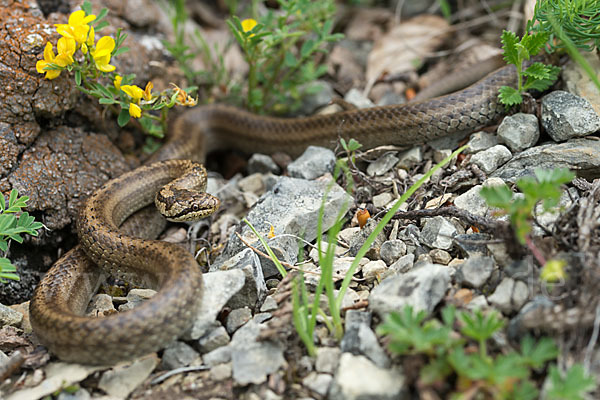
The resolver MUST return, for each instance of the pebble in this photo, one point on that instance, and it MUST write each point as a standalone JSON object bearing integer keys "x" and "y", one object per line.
{"x": 237, "y": 318}
{"x": 314, "y": 162}
{"x": 473, "y": 202}
{"x": 519, "y": 131}
{"x": 392, "y": 250}
{"x": 383, "y": 164}
{"x": 269, "y": 304}
{"x": 489, "y": 160}
{"x": 439, "y": 256}
{"x": 480, "y": 141}
{"x": 359, "y": 338}
{"x": 403, "y": 264}
{"x": 437, "y": 233}
{"x": 327, "y": 359}
{"x": 221, "y": 372}
{"x": 252, "y": 183}
{"x": 261, "y": 163}
{"x": 8, "y": 316}
{"x": 355, "y": 97}
{"x": 475, "y": 271}
{"x": 510, "y": 295}
{"x": 358, "y": 378}
{"x": 373, "y": 270}
{"x": 409, "y": 158}
{"x": 422, "y": 288}
{"x": 135, "y": 297}
{"x": 213, "y": 339}
{"x": 177, "y": 355}
{"x": 382, "y": 199}
{"x": 318, "y": 383}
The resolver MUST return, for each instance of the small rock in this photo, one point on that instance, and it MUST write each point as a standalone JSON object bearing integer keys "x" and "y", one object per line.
{"x": 178, "y": 355}
{"x": 480, "y": 141}
{"x": 519, "y": 131}
{"x": 382, "y": 199}
{"x": 327, "y": 359}
{"x": 361, "y": 236}
{"x": 441, "y": 154}
{"x": 135, "y": 297}
{"x": 359, "y": 338}
{"x": 121, "y": 380}
{"x": 392, "y": 250}
{"x": 373, "y": 270}
{"x": 489, "y": 160}
{"x": 313, "y": 163}
{"x": 357, "y": 378}
{"x": 383, "y": 164}
{"x": 237, "y": 318}
{"x": 578, "y": 82}
{"x": 269, "y": 304}
{"x": 261, "y": 163}
{"x": 475, "y": 271}
{"x": 548, "y": 219}
{"x": 355, "y": 97}
{"x": 317, "y": 94}
{"x": 473, "y": 202}
{"x": 439, "y": 256}
{"x": 80, "y": 394}
{"x": 422, "y": 288}
{"x": 438, "y": 201}
{"x": 403, "y": 264}
{"x": 566, "y": 116}
{"x": 409, "y": 158}
{"x": 221, "y": 372}
{"x": 101, "y": 305}
{"x": 252, "y": 183}
{"x": 318, "y": 383}
{"x": 213, "y": 339}
{"x": 473, "y": 244}
{"x": 510, "y": 295}
{"x": 8, "y": 316}
{"x": 437, "y": 233}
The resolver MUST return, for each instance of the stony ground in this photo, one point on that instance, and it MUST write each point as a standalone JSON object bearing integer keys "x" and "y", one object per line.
{"x": 444, "y": 246}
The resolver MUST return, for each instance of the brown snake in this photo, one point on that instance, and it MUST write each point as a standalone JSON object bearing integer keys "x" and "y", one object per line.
{"x": 64, "y": 292}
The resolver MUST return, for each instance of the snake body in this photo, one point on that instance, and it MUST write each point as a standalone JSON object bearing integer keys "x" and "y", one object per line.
{"x": 64, "y": 292}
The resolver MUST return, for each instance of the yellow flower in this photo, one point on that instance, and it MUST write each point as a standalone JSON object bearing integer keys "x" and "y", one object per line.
{"x": 135, "y": 92}
{"x": 48, "y": 58}
{"x": 89, "y": 42}
{"x": 148, "y": 91}
{"x": 248, "y": 25}
{"x": 77, "y": 28}
{"x": 102, "y": 52}
{"x": 66, "y": 48}
{"x": 553, "y": 271}
{"x": 134, "y": 110}
{"x": 117, "y": 82}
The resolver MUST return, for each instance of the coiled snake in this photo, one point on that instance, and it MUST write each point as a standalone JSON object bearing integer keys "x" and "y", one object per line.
{"x": 64, "y": 292}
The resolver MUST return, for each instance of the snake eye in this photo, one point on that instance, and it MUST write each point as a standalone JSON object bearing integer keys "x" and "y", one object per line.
{"x": 195, "y": 207}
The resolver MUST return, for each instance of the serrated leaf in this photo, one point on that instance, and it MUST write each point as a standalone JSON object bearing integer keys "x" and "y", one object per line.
{"x": 538, "y": 70}
{"x": 509, "y": 96}
{"x": 536, "y": 355}
{"x": 534, "y": 42}
{"x": 509, "y": 43}
{"x": 573, "y": 386}
{"x": 497, "y": 196}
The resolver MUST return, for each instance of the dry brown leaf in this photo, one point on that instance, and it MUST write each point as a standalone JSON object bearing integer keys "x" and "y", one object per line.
{"x": 403, "y": 48}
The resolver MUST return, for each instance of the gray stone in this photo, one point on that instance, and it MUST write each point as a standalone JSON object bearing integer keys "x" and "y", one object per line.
{"x": 529, "y": 316}
{"x": 313, "y": 163}
{"x": 292, "y": 207}
{"x": 437, "y": 233}
{"x": 382, "y": 199}
{"x": 318, "y": 383}
{"x": 255, "y": 287}
{"x": 237, "y": 318}
{"x": 578, "y": 82}
{"x": 317, "y": 94}
{"x": 100, "y": 305}
{"x": 566, "y": 116}
{"x": 356, "y": 97}
{"x": 327, "y": 359}
{"x": 213, "y": 339}
{"x": 135, "y": 297}
{"x": 219, "y": 287}
{"x": 121, "y": 380}
{"x": 403, "y": 264}
{"x": 252, "y": 183}
{"x": 269, "y": 304}
{"x": 422, "y": 288}
{"x": 578, "y": 155}
{"x": 178, "y": 355}
{"x": 8, "y": 316}
{"x": 475, "y": 271}
{"x": 439, "y": 256}
{"x": 410, "y": 158}
{"x": 357, "y": 241}
{"x": 473, "y": 202}
{"x": 548, "y": 218}
{"x": 383, "y": 164}
{"x": 80, "y": 394}
{"x": 519, "y": 131}
{"x": 489, "y": 160}
{"x": 221, "y": 372}
{"x": 360, "y": 339}
{"x": 473, "y": 244}
{"x": 392, "y": 250}
{"x": 263, "y": 164}
{"x": 357, "y": 378}
{"x": 373, "y": 270}
{"x": 510, "y": 295}
{"x": 480, "y": 141}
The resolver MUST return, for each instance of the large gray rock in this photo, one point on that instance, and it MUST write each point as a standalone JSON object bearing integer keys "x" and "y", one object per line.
{"x": 519, "y": 131}
{"x": 314, "y": 162}
{"x": 489, "y": 160}
{"x": 422, "y": 288}
{"x": 566, "y": 116}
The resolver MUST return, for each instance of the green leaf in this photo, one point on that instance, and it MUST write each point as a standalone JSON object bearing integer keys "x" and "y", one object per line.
{"x": 573, "y": 386}
{"x": 101, "y": 25}
{"x": 536, "y": 355}
{"x": 123, "y": 118}
{"x": 307, "y": 48}
{"x": 497, "y": 196}
{"x": 533, "y": 43}
{"x": 525, "y": 390}
{"x": 78, "y": 77}
{"x": 542, "y": 84}
{"x": 106, "y": 100}
{"x": 480, "y": 326}
{"x": 87, "y": 7}
{"x": 120, "y": 50}
{"x": 289, "y": 60}
{"x": 509, "y": 43}
{"x": 510, "y": 96}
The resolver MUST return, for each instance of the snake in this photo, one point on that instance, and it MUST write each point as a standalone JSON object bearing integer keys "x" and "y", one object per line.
{"x": 58, "y": 304}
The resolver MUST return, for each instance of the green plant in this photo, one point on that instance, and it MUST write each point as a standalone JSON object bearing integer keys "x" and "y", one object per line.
{"x": 579, "y": 20}
{"x": 502, "y": 376}
{"x": 536, "y": 76}
{"x": 89, "y": 60}
{"x": 14, "y": 223}
{"x": 544, "y": 187}
{"x": 282, "y": 52}
{"x": 573, "y": 385}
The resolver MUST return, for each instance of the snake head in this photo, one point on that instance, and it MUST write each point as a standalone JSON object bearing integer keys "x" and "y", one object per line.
{"x": 184, "y": 205}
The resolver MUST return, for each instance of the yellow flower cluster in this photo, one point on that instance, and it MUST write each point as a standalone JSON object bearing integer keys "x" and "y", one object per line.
{"x": 77, "y": 34}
